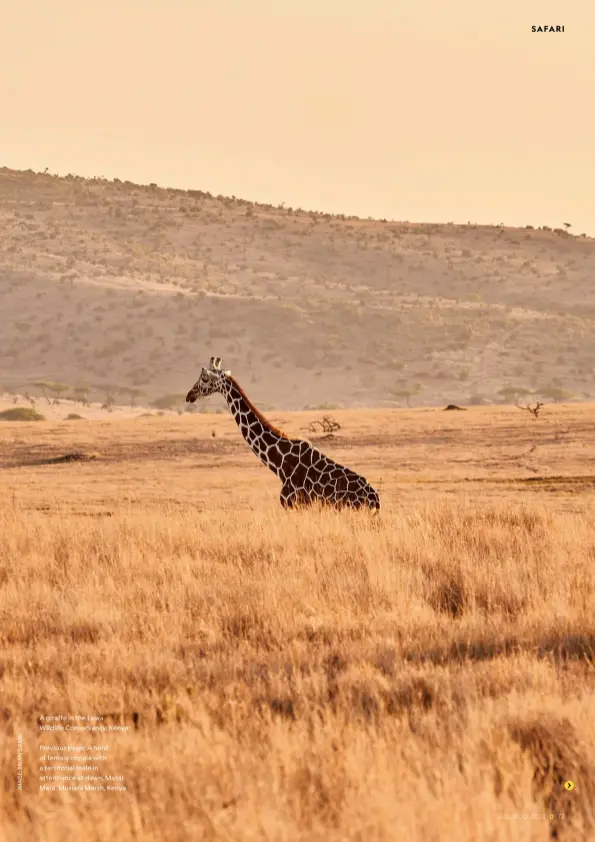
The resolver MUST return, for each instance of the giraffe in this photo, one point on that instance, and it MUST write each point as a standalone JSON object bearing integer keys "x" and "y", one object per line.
{"x": 307, "y": 475}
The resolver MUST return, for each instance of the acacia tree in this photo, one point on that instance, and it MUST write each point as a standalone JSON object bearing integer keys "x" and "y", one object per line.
{"x": 110, "y": 392}
{"x": 56, "y": 388}
{"x": 169, "y": 401}
{"x": 81, "y": 394}
{"x": 132, "y": 393}
{"x": 406, "y": 393}
{"x": 512, "y": 394}
{"x": 555, "y": 393}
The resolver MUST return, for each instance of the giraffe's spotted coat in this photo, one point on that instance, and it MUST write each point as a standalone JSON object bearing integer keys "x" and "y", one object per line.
{"x": 307, "y": 475}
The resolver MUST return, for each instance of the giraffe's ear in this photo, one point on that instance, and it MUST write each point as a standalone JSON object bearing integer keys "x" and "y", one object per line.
{"x": 227, "y": 372}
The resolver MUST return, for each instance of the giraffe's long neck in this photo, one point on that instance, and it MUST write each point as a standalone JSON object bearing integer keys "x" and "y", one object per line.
{"x": 266, "y": 442}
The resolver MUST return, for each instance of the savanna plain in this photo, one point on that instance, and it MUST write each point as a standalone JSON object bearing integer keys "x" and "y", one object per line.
{"x": 426, "y": 673}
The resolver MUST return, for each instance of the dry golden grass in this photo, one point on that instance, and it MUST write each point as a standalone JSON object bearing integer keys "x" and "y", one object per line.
{"x": 425, "y": 674}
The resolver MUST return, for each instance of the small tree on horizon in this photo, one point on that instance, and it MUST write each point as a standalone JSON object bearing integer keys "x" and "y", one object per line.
{"x": 555, "y": 393}
{"x": 53, "y": 386}
{"x": 168, "y": 401}
{"x": 110, "y": 391}
{"x": 132, "y": 393}
{"x": 512, "y": 394}
{"x": 80, "y": 393}
{"x": 407, "y": 393}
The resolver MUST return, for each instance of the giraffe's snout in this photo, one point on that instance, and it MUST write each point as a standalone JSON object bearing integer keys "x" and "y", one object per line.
{"x": 191, "y": 396}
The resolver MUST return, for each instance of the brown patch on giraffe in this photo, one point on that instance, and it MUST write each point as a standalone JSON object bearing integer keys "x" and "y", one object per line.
{"x": 264, "y": 421}
{"x": 298, "y": 477}
{"x": 290, "y": 462}
{"x": 284, "y": 446}
{"x": 306, "y": 458}
{"x": 268, "y": 439}
{"x": 274, "y": 457}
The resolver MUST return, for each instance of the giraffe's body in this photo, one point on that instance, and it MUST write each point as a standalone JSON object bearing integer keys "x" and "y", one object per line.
{"x": 307, "y": 475}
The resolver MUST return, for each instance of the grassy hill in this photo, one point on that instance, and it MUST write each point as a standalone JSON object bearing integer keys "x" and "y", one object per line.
{"x": 112, "y": 285}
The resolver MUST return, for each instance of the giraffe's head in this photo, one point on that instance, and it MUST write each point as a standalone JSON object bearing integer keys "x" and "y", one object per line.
{"x": 209, "y": 382}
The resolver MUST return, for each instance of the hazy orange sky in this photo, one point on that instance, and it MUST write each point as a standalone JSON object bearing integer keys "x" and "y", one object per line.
{"x": 420, "y": 110}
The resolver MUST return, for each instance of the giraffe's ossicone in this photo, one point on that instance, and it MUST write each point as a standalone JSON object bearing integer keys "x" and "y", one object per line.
{"x": 307, "y": 474}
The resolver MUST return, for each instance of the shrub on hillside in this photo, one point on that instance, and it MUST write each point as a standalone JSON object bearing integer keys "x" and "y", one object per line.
{"x": 168, "y": 402}
{"x": 21, "y": 413}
